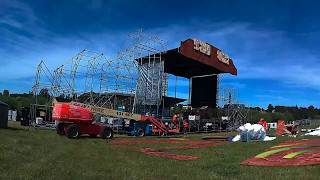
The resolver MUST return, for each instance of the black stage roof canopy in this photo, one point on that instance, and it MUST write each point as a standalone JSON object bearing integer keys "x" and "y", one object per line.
{"x": 187, "y": 62}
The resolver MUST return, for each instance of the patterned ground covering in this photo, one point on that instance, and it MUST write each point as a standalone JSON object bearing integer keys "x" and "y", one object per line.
{"x": 289, "y": 153}
{"x": 155, "y": 152}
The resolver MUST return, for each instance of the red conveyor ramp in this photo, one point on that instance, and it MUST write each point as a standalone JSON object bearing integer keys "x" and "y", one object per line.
{"x": 161, "y": 127}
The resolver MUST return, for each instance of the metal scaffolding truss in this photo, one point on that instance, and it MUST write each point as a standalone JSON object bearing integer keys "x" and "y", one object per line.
{"x": 44, "y": 80}
{"x": 143, "y": 51}
{"x": 44, "y": 85}
{"x": 82, "y": 74}
{"x": 150, "y": 81}
{"x": 135, "y": 78}
{"x": 231, "y": 107}
{"x": 147, "y": 41}
{"x": 136, "y": 74}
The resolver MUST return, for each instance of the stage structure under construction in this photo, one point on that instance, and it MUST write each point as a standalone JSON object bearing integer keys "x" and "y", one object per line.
{"x": 134, "y": 79}
{"x": 137, "y": 78}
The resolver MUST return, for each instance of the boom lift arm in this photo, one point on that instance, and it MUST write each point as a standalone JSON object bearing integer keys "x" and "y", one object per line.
{"x": 127, "y": 115}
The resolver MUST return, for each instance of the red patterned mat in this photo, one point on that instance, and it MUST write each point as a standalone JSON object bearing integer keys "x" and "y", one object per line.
{"x": 155, "y": 152}
{"x": 289, "y": 153}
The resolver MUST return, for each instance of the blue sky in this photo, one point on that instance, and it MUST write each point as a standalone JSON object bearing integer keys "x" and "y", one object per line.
{"x": 274, "y": 44}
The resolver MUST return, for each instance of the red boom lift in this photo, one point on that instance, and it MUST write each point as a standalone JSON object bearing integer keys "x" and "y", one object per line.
{"x": 76, "y": 120}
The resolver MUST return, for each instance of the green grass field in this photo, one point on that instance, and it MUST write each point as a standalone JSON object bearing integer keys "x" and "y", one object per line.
{"x": 27, "y": 153}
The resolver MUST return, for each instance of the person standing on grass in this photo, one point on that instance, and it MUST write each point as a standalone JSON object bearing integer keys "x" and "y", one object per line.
{"x": 265, "y": 125}
{"x": 185, "y": 128}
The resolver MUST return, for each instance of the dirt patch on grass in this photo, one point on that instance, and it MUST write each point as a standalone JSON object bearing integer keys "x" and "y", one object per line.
{"x": 156, "y": 152}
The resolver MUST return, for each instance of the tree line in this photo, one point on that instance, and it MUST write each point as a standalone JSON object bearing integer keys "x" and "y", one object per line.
{"x": 18, "y": 101}
{"x": 271, "y": 114}
{"x": 288, "y": 113}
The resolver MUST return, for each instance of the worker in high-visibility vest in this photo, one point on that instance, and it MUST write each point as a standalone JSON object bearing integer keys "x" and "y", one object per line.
{"x": 261, "y": 121}
{"x": 265, "y": 125}
{"x": 175, "y": 120}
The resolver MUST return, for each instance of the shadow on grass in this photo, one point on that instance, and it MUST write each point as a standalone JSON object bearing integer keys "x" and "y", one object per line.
{"x": 15, "y": 129}
{"x": 97, "y": 137}
{"x": 89, "y": 137}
